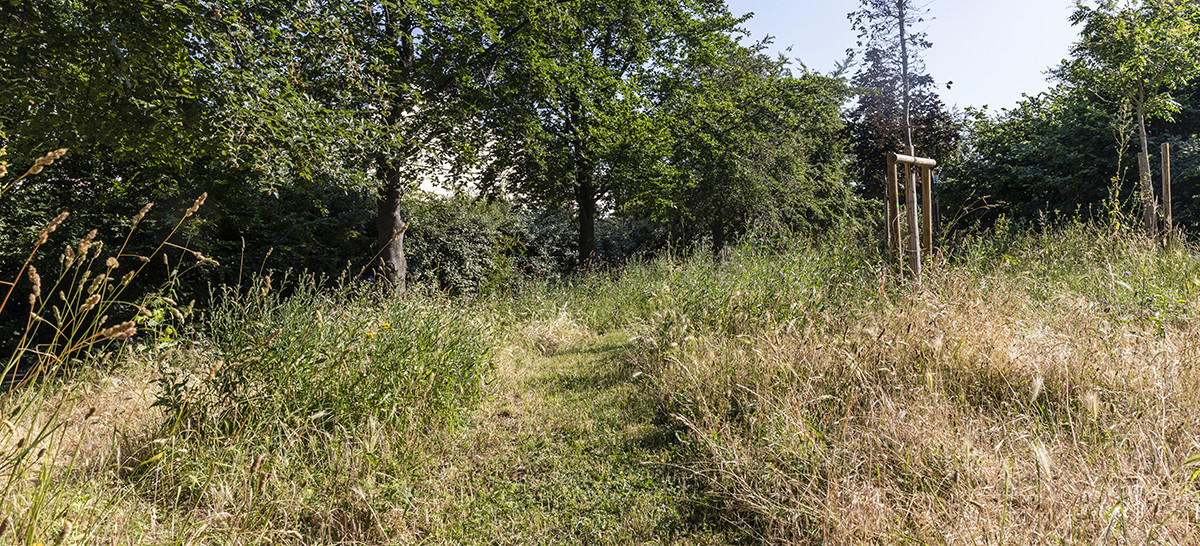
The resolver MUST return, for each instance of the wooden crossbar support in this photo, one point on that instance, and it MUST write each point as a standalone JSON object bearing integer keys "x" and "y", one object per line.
{"x": 918, "y": 161}
{"x": 918, "y": 232}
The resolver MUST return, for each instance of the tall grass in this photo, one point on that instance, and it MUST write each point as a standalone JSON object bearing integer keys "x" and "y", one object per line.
{"x": 302, "y": 415}
{"x": 283, "y": 413}
{"x": 1039, "y": 387}
{"x": 77, "y": 320}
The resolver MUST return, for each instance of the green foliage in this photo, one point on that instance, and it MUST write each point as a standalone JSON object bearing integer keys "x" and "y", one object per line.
{"x": 580, "y": 124}
{"x": 1052, "y": 155}
{"x": 753, "y": 146}
{"x": 462, "y": 246}
{"x": 1136, "y": 51}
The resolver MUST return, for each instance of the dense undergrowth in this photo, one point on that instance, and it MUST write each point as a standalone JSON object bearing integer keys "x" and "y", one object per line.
{"x": 1038, "y": 386}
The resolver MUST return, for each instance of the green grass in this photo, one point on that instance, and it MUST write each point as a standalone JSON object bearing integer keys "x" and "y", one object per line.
{"x": 566, "y": 452}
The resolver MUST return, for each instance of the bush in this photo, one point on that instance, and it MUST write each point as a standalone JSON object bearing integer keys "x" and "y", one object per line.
{"x": 462, "y": 245}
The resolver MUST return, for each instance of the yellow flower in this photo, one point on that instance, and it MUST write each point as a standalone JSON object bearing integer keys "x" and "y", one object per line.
{"x": 385, "y": 326}
{"x": 370, "y": 335}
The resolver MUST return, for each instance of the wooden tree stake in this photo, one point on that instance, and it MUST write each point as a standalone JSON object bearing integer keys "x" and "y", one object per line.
{"x": 893, "y": 213}
{"x": 924, "y": 169}
{"x": 1166, "y": 189}
{"x": 927, "y": 208}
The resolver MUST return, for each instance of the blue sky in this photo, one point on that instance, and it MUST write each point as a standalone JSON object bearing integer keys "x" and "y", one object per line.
{"x": 993, "y": 50}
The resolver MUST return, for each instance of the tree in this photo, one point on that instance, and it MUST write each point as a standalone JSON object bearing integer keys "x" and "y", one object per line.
{"x": 752, "y": 143}
{"x": 1137, "y": 52}
{"x": 577, "y": 125}
{"x": 896, "y": 94}
{"x": 389, "y": 89}
{"x": 1040, "y": 159}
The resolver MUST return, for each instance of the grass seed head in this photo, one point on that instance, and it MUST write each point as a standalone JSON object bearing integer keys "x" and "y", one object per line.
{"x": 53, "y": 225}
{"x": 120, "y": 332}
{"x": 62, "y": 535}
{"x": 257, "y": 464}
{"x": 142, "y": 213}
{"x": 1091, "y": 403}
{"x": 97, "y": 283}
{"x": 86, "y": 242}
{"x": 1042, "y": 457}
{"x": 196, "y": 206}
{"x": 36, "y": 280}
{"x": 1037, "y": 388}
{"x": 89, "y": 304}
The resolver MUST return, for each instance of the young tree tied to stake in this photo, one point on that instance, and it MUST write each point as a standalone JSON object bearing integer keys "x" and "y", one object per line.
{"x": 1136, "y": 52}
{"x": 898, "y": 109}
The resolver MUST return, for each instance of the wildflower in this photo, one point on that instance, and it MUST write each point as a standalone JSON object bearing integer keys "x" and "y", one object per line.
{"x": 385, "y": 326}
{"x": 370, "y": 335}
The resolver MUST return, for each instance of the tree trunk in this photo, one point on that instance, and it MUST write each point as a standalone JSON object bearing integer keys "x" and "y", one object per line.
{"x": 390, "y": 225}
{"x": 585, "y": 197}
{"x": 586, "y": 192}
{"x": 389, "y": 218}
{"x": 1149, "y": 208}
{"x": 718, "y": 235}
{"x": 908, "y": 139}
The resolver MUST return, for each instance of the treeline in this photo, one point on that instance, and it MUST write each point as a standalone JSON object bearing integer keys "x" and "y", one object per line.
{"x": 311, "y": 126}
{"x": 1064, "y": 153}
{"x": 1130, "y": 84}
{"x": 571, "y": 133}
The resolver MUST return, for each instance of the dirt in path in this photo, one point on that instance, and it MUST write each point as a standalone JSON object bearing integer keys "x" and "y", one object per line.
{"x": 564, "y": 451}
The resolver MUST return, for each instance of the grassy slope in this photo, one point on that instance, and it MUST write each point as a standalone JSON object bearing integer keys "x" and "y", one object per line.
{"x": 1040, "y": 388}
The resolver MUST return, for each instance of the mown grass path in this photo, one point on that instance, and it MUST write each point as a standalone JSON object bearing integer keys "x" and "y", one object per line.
{"x": 564, "y": 451}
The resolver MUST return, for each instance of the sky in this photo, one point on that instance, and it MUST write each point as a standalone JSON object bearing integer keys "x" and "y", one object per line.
{"x": 992, "y": 50}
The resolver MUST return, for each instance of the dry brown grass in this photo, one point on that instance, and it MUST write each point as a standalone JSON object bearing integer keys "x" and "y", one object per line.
{"x": 948, "y": 417}
{"x": 556, "y": 334}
